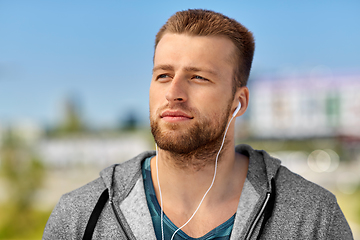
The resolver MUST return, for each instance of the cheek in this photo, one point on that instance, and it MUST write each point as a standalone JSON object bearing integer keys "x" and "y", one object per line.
{"x": 214, "y": 106}
{"x": 152, "y": 106}
{"x": 155, "y": 99}
{"x": 210, "y": 100}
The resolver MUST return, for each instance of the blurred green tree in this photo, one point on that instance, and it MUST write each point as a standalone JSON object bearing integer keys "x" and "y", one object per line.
{"x": 72, "y": 119}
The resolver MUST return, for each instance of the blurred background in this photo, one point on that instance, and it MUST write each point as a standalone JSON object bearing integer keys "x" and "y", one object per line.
{"x": 74, "y": 79}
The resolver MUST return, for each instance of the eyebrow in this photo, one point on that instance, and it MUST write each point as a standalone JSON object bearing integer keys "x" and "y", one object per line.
{"x": 163, "y": 67}
{"x": 195, "y": 69}
{"x": 187, "y": 69}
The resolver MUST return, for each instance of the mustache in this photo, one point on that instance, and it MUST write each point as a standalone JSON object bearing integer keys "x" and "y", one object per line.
{"x": 177, "y": 106}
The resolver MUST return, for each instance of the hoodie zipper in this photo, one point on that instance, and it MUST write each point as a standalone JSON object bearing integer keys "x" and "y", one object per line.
{"x": 118, "y": 219}
{"x": 253, "y": 225}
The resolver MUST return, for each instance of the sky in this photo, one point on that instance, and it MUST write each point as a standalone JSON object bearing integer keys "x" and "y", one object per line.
{"x": 100, "y": 52}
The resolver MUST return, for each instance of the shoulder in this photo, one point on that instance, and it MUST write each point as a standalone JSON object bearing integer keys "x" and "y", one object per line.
{"x": 69, "y": 217}
{"x": 85, "y": 196}
{"x": 114, "y": 177}
{"x": 298, "y": 197}
{"x": 293, "y": 186}
{"x": 304, "y": 209}
{"x": 71, "y": 213}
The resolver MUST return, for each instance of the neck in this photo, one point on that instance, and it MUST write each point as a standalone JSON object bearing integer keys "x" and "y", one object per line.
{"x": 185, "y": 184}
{"x": 183, "y": 192}
{"x": 183, "y": 187}
{"x": 202, "y": 158}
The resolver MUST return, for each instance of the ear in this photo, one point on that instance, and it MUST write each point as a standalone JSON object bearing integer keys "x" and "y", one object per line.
{"x": 242, "y": 99}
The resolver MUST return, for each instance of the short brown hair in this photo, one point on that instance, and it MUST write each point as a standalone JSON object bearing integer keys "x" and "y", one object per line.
{"x": 200, "y": 22}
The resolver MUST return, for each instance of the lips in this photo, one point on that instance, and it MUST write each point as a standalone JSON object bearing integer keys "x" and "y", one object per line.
{"x": 175, "y": 115}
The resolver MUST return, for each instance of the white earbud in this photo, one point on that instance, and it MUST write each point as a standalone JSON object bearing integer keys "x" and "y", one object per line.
{"x": 237, "y": 109}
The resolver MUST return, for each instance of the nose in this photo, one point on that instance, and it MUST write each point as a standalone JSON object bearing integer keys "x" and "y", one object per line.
{"x": 176, "y": 91}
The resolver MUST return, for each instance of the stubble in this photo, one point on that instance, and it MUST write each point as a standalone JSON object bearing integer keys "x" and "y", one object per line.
{"x": 194, "y": 146}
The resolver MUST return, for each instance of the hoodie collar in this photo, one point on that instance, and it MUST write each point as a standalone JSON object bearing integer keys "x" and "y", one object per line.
{"x": 262, "y": 167}
{"x": 123, "y": 176}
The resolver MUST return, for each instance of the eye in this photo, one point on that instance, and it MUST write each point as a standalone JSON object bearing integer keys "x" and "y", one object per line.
{"x": 163, "y": 78}
{"x": 199, "y": 78}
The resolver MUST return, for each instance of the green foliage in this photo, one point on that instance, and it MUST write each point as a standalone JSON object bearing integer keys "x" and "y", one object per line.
{"x": 25, "y": 224}
{"x": 350, "y": 205}
{"x": 23, "y": 173}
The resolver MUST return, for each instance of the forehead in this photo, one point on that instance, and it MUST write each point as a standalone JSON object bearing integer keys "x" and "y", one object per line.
{"x": 210, "y": 51}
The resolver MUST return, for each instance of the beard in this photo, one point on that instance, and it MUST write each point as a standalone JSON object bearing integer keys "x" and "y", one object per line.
{"x": 194, "y": 145}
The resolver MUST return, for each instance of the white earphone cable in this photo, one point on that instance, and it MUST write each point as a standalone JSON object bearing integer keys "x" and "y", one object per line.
{"x": 161, "y": 202}
{"x": 211, "y": 185}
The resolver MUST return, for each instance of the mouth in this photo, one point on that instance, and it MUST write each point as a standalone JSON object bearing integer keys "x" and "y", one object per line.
{"x": 175, "y": 116}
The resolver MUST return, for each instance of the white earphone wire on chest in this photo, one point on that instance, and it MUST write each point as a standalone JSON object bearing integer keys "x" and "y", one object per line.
{"x": 212, "y": 183}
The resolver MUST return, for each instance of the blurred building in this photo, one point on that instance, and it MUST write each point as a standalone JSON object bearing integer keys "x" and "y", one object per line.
{"x": 87, "y": 150}
{"x": 320, "y": 114}
{"x": 305, "y": 106}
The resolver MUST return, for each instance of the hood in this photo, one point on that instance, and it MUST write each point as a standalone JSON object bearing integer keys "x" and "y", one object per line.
{"x": 123, "y": 176}
{"x": 262, "y": 167}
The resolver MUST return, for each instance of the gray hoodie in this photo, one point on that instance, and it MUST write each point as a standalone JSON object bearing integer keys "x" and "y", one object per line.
{"x": 275, "y": 204}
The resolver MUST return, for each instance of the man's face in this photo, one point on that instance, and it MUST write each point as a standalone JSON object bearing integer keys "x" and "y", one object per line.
{"x": 191, "y": 94}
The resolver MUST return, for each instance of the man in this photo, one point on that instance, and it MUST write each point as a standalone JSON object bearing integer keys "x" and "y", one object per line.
{"x": 196, "y": 185}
